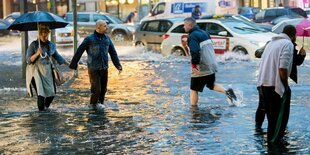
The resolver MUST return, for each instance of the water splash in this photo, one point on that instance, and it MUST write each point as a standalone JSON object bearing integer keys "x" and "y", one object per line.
{"x": 232, "y": 57}
{"x": 239, "y": 102}
{"x": 9, "y": 90}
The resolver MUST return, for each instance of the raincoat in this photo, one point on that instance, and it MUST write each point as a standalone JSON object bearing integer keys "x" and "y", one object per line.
{"x": 41, "y": 70}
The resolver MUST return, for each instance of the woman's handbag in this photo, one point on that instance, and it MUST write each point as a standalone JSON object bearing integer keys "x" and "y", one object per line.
{"x": 58, "y": 76}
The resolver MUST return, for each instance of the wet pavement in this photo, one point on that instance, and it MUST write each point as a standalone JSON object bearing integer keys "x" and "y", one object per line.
{"x": 147, "y": 111}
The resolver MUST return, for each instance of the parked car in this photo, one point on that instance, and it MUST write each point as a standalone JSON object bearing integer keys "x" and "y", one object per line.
{"x": 248, "y": 12}
{"x": 86, "y": 22}
{"x": 150, "y": 33}
{"x": 285, "y": 17}
{"x": 268, "y": 14}
{"x": 65, "y": 36}
{"x": 238, "y": 36}
{"x": 266, "y": 27}
{"x": 307, "y": 10}
{"x": 3, "y": 27}
{"x": 10, "y": 19}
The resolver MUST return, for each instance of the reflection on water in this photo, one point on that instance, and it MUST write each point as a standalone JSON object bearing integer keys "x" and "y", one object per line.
{"x": 148, "y": 112}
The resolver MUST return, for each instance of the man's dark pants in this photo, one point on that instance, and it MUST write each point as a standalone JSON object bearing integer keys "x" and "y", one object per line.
{"x": 261, "y": 110}
{"x": 98, "y": 81}
{"x": 273, "y": 103}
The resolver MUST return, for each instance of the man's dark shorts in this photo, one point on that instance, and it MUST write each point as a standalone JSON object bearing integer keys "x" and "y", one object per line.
{"x": 198, "y": 83}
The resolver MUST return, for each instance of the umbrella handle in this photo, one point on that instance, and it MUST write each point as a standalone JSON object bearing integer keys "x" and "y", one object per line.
{"x": 303, "y": 37}
{"x": 43, "y": 56}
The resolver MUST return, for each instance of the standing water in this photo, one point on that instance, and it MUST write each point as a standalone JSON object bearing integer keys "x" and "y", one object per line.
{"x": 147, "y": 110}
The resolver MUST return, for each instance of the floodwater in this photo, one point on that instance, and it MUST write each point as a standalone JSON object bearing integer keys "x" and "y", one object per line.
{"x": 147, "y": 110}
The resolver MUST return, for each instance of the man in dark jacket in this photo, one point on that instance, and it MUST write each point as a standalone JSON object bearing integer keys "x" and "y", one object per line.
{"x": 97, "y": 46}
{"x": 204, "y": 65}
{"x": 130, "y": 17}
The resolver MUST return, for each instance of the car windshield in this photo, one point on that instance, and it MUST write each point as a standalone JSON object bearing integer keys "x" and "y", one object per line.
{"x": 241, "y": 27}
{"x": 242, "y": 18}
{"x": 256, "y": 10}
{"x": 114, "y": 19}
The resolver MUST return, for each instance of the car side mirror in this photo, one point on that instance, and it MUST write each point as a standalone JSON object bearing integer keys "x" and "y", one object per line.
{"x": 222, "y": 33}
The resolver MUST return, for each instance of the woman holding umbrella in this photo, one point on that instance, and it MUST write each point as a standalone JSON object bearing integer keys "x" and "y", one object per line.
{"x": 39, "y": 68}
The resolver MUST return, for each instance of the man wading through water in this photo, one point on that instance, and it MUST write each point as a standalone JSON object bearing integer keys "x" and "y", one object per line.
{"x": 204, "y": 65}
{"x": 97, "y": 46}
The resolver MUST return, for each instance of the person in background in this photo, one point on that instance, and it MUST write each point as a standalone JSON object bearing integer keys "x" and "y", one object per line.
{"x": 97, "y": 45}
{"x": 130, "y": 18}
{"x": 39, "y": 72}
{"x": 204, "y": 65}
{"x": 196, "y": 13}
{"x": 274, "y": 69}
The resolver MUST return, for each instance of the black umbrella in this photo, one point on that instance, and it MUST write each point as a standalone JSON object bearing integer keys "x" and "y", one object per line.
{"x": 30, "y": 21}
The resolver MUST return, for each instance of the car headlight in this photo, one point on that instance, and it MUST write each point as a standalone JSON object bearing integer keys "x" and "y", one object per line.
{"x": 131, "y": 29}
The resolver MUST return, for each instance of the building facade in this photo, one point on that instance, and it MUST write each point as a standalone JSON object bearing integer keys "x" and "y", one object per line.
{"x": 9, "y": 6}
{"x": 275, "y": 3}
{"x": 121, "y": 8}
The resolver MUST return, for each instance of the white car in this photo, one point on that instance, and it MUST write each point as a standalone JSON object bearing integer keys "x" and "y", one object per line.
{"x": 229, "y": 34}
{"x": 65, "y": 36}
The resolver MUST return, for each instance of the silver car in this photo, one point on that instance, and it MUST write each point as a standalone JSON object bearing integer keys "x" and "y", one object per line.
{"x": 86, "y": 22}
{"x": 151, "y": 33}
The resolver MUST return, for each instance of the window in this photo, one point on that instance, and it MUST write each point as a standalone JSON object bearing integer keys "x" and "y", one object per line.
{"x": 270, "y": 13}
{"x": 143, "y": 27}
{"x": 69, "y": 17}
{"x": 102, "y": 17}
{"x": 214, "y": 29}
{"x": 281, "y": 12}
{"x": 245, "y": 11}
{"x": 160, "y": 8}
{"x": 260, "y": 15}
{"x": 152, "y": 26}
{"x": 164, "y": 26}
{"x": 179, "y": 29}
{"x": 83, "y": 18}
{"x": 202, "y": 26}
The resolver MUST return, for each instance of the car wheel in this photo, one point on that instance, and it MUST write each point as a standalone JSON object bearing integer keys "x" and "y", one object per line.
{"x": 178, "y": 51}
{"x": 119, "y": 36}
{"x": 240, "y": 50}
{"x": 139, "y": 43}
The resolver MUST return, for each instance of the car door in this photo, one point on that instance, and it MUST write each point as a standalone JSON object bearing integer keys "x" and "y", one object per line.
{"x": 152, "y": 33}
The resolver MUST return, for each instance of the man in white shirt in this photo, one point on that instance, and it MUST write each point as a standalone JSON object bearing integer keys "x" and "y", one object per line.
{"x": 274, "y": 70}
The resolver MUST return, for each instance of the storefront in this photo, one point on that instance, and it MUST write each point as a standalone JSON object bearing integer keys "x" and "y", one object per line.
{"x": 9, "y": 6}
{"x": 121, "y": 8}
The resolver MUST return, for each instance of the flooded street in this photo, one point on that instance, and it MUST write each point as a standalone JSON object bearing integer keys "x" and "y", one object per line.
{"x": 147, "y": 110}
